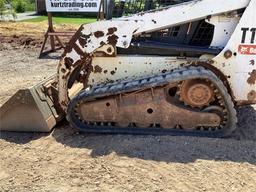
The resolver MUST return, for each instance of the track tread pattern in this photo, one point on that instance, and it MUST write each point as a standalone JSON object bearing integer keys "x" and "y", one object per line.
{"x": 180, "y": 74}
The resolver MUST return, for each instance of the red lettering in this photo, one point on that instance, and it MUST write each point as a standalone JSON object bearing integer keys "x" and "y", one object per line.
{"x": 247, "y": 49}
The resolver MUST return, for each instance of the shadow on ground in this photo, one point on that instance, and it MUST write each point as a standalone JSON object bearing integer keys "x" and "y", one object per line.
{"x": 20, "y": 138}
{"x": 241, "y": 147}
{"x": 56, "y": 55}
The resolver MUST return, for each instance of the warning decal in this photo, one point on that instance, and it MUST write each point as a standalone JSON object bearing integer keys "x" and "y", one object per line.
{"x": 247, "y": 49}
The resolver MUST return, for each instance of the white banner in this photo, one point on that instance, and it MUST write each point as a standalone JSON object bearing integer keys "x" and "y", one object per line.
{"x": 72, "y": 5}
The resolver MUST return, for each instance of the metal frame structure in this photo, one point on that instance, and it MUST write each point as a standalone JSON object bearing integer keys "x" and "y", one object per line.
{"x": 119, "y": 33}
{"x": 101, "y": 65}
{"x": 53, "y": 35}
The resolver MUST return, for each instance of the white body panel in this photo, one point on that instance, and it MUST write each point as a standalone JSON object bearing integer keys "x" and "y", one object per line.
{"x": 241, "y": 65}
{"x": 132, "y": 67}
{"x": 224, "y": 27}
{"x": 185, "y": 12}
{"x": 93, "y": 36}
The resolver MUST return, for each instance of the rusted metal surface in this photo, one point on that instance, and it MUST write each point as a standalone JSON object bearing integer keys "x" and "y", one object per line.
{"x": 119, "y": 33}
{"x": 123, "y": 67}
{"x": 53, "y": 35}
{"x": 209, "y": 65}
{"x": 252, "y": 95}
{"x": 97, "y": 69}
{"x": 252, "y": 62}
{"x": 85, "y": 44}
{"x": 245, "y": 102}
{"x": 32, "y": 110}
{"x": 228, "y": 54}
{"x": 99, "y": 34}
{"x": 252, "y": 78}
{"x": 105, "y": 51}
{"x": 196, "y": 93}
{"x": 91, "y": 58}
{"x": 238, "y": 69}
{"x": 67, "y": 33}
{"x": 144, "y": 108}
{"x": 129, "y": 96}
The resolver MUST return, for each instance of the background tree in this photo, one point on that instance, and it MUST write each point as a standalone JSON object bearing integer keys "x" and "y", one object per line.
{"x": 2, "y": 8}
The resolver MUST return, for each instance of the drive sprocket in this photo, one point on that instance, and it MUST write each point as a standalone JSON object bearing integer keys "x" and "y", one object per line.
{"x": 91, "y": 110}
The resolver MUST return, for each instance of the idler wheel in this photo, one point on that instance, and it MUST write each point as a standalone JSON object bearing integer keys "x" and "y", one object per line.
{"x": 196, "y": 93}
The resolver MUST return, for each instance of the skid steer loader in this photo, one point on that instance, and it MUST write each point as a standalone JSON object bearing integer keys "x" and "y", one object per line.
{"x": 180, "y": 69}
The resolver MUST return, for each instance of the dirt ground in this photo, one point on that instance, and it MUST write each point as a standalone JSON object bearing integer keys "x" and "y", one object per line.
{"x": 65, "y": 160}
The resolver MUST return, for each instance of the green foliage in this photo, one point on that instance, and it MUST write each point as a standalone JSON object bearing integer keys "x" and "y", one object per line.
{"x": 2, "y": 7}
{"x": 23, "y": 5}
{"x": 4, "y": 11}
{"x": 30, "y": 6}
{"x": 64, "y": 20}
{"x": 20, "y": 6}
{"x": 13, "y": 13}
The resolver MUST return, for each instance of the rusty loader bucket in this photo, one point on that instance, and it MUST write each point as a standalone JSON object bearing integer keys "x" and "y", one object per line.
{"x": 31, "y": 110}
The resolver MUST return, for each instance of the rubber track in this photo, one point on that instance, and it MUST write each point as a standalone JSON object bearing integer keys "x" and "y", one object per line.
{"x": 177, "y": 75}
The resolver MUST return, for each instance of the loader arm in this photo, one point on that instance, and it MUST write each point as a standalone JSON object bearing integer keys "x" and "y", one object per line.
{"x": 147, "y": 88}
{"x": 105, "y": 36}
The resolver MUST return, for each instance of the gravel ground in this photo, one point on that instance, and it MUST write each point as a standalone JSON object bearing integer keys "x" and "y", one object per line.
{"x": 68, "y": 161}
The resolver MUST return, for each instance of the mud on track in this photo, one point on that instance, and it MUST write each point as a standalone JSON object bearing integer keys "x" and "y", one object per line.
{"x": 68, "y": 161}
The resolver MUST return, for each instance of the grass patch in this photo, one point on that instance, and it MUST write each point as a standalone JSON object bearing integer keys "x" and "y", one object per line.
{"x": 62, "y": 20}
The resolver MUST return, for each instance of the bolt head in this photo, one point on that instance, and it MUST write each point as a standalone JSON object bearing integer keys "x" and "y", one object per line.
{"x": 228, "y": 54}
